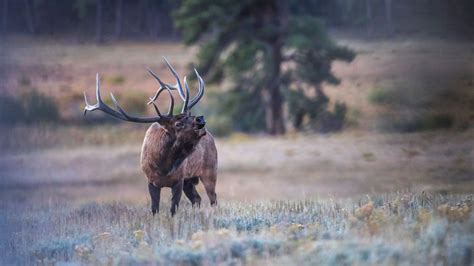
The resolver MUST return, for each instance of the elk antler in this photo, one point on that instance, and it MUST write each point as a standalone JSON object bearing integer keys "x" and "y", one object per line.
{"x": 183, "y": 95}
{"x": 121, "y": 114}
{"x": 157, "y": 94}
{"x": 200, "y": 93}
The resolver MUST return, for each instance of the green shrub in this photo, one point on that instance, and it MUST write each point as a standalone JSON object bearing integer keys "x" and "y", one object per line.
{"x": 24, "y": 81}
{"x": 38, "y": 107}
{"x": 236, "y": 111}
{"x": 219, "y": 125}
{"x": 301, "y": 106}
{"x": 11, "y": 111}
{"x": 321, "y": 119}
{"x": 415, "y": 123}
{"x": 439, "y": 121}
{"x": 340, "y": 111}
{"x": 117, "y": 79}
{"x": 330, "y": 121}
{"x": 352, "y": 117}
{"x": 381, "y": 96}
{"x": 30, "y": 106}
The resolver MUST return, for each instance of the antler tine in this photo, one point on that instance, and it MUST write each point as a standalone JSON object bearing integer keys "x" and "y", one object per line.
{"x": 97, "y": 88}
{"x": 171, "y": 108}
{"x": 117, "y": 105}
{"x": 152, "y": 100}
{"x": 200, "y": 93}
{"x": 186, "y": 101}
{"x": 178, "y": 82}
{"x": 87, "y": 104}
{"x": 100, "y": 105}
{"x": 157, "y": 110}
{"x": 162, "y": 84}
{"x": 90, "y": 107}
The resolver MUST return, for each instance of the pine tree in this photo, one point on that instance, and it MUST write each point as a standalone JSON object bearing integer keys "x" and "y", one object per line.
{"x": 268, "y": 48}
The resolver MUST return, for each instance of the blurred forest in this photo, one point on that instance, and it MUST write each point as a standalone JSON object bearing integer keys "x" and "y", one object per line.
{"x": 276, "y": 55}
{"x": 108, "y": 19}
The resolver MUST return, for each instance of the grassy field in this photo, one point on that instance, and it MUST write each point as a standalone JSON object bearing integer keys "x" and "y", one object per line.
{"x": 74, "y": 194}
{"x": 390, "y": 229}
{"x": 337, "y": 199}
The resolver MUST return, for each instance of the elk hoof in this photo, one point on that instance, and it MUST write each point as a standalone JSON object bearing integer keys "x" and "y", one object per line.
{"x": 197, "y": 203}
{"x": 173, "y": 212}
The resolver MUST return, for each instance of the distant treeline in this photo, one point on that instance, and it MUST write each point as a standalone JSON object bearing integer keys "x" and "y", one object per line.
{"x": 102, "y": 19}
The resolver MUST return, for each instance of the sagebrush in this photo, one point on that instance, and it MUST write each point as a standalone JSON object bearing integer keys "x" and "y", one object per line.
{"x": 401, "y": 228}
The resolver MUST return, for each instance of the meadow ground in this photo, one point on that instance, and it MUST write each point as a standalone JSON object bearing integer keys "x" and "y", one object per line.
{"x": 342, "y": 198}
{"x": 75, "y": 194}
{"x": 391, "y": 229}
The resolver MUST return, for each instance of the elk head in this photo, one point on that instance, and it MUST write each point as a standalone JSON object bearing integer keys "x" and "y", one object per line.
{"x": 183, "y": 131}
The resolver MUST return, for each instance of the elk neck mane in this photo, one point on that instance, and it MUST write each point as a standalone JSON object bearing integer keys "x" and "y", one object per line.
{"x": 162, "y": 152}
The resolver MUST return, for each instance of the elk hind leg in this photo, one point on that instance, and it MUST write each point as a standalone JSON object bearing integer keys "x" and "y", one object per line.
{"x": 209, "y": 183}
{"x": 176, "y": 192}
{"x": 189, "y": 189}
{"x": 155, "y": 198}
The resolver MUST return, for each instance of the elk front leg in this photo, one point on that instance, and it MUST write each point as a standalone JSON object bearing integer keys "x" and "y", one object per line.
{"x": 176, "y": 192}
{"x": 155, "y": 198}
{"x": 189, "y": 189}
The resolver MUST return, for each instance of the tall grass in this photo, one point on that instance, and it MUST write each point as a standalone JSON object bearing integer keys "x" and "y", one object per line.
{"x": 384, "y": 229}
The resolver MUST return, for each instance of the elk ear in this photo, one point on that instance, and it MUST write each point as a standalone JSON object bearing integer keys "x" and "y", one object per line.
{"x": 179, "y": 124}
{"x": 164, "y": 126}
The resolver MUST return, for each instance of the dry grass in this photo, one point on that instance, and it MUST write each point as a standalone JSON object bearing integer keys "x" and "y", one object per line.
{"x": 424, "y": 76}
{"x": 62, "y": 67}
{"x": 388, "y": 229}
{"x": 297, "y": 166}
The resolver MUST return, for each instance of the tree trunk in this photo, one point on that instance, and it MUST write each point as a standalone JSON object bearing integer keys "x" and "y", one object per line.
{"x": 298, "y": 119}
{"x": 273, "y": 111}
{"x": 29, "y": 17}
{"x": 98, "y": 21}
{"x": 271, "y": 94}
{"x": 4, "y": 16}
{"x": 272, "y": 97}
{"x": 388, "y": 17}
{"x": 118, "y": 18}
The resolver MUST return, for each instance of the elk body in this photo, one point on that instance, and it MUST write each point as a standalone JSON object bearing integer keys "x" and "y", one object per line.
{"x": 177, "y": 150}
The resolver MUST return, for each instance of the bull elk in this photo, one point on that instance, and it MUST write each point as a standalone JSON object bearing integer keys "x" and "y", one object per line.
{"x": 177, "y": 150}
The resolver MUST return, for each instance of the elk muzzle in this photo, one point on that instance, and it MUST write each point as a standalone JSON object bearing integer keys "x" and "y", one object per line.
{"x": 199, "y": 124}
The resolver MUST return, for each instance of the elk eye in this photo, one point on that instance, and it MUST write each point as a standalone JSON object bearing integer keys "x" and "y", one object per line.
{"x": 179, "y": 125}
